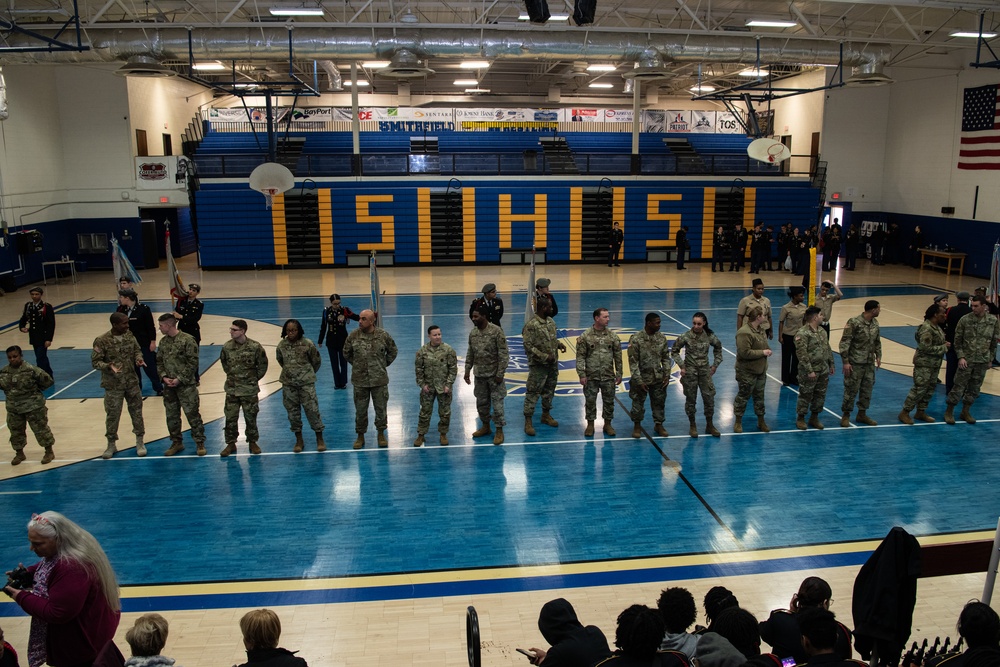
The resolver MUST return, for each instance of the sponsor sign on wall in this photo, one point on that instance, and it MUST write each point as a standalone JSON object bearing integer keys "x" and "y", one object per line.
{"x": 727, "y": 123}
{"x": 678, "y": 121}
{"x": 158, "y": 173}
{"x": 703, "y": 122}
{"x": 618, "y": 115}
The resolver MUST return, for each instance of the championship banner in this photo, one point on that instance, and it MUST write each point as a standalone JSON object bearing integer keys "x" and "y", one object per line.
{"x": 678, "y": 121}
{"x": 703, "y": 122}
{"x": 619, "y": 115}
{"x": 654, "y": 120}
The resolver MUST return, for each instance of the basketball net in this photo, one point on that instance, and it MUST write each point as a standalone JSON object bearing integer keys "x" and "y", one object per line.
{"x": 269, "y": 194}
{"x": 774, "y": 151}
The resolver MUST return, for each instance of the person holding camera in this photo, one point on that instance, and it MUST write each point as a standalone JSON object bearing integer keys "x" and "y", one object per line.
{"x": 71, "y": 594}
{"x": 334, "y": 331}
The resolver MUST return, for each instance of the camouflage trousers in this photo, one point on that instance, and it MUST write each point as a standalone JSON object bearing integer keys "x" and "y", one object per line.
{"x": 751, "y": 385}
{"x": 657, "y": 399}
{"x": 39, "y": 422}
{"x": 925, "y": 379}
{"x": 297, "y": 399}
{"x": 812, "y": 391}
{"x": 113, "y": 399}
{"x": 859, "y": 383}
{"x": 607, "y": 389}
{"x": 968, "y": 381}
{"x": 231, "y": 410}
{"x": 693, "y": 380}
{"x": 183, "y": 397}
{"x": 427, "y": 408}
{"x": 542, "y": 380}
{"x": 379, "y": 397}
{"x": 489, "y": 393}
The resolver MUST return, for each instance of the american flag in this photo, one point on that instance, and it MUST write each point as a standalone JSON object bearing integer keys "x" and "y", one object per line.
{"x": 980, "y": 147}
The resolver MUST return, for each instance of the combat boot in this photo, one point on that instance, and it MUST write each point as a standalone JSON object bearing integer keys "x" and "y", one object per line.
{"x": 710, "y": 428}
{"x": 693, "y": 431}
{"x": 548, "y": 420}
{"x": 800, "y": 422}
{"x": 484, "y": 430}
{"x": 498, "y": 437}
{"x": 360, "y": 441}
{"x": 815, "y": 422}
{"x": 637, "y": 430}
{"x": 529, "y": 428}
{"x": 175, "y": 448}
{"x": 443, "y": 440}
{"x": 110, "y": 451}
{"x": 845, "y": 420}
{"x": 738, "y": 425}
{"x": 920, "y": 415}
{"x": 965, "y": 415}
{"x": 589, "y": 431}
{"x": 762, "y": 425}
{"x": 949, "y": 415}
{"x": 904, "y": 416}
{"x": 863, "y": 418}
{"x": 320, "y": 442}
{"x": 419, "y": 441}
{"x": 200, "y": 449}
{"x": 254, "y": 449}
{"x": 609, "y": 430}
{"x": 140, "y": 446}
{"x": 18, "y": 457}
{"x": 48, "y": 456}
{"x": 299, "y": 443}
{"x": 382, "y": 441}
{"x": 660, "y": 431}
{"x": 230, "y": 449}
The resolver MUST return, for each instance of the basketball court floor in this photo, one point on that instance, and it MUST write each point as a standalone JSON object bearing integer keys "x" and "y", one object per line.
{"x": 371, "y": 557}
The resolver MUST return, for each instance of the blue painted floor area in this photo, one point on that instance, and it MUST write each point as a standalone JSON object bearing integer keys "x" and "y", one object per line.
{"x": 555, "y": 498}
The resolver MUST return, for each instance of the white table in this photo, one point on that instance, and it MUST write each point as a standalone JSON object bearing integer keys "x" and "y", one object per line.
{"x": 55, "y": 270}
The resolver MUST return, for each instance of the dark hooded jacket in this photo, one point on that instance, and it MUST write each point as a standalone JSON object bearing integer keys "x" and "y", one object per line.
{"x": 573, "y": 645}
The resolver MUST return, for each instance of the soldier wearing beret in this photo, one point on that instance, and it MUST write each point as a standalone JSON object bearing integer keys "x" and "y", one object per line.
{"x": 542, "y": 289}
{"x": 39, "y": 321}
{"x": 491, "y": 302}
{"x": 23, "y": 385}
{"x": 789, "y": 323}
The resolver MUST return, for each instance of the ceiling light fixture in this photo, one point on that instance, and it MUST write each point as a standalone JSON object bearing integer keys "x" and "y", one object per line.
{"x": 466, "y": 82}
{"x": 701, "y": 89}
{"x": 973, "y": 35}
{"x": 601, "y": 68}
{"x": 755, "y": 23}
{"x": 209, "y": 67}
{"x": 757, "y": 73}
{"x": 296, "y": 11}
{"x": 361, "y": 84}
{"x": 474, "y": 64}
{"x": 375, "y": 64}
{"x": 602, "y": 85}
{"x": 477, "y": 90}
{"x": 523, "y": 16}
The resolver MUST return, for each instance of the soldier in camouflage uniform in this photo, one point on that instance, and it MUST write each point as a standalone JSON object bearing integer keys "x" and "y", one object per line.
{"x": 542, "y": 346}
{"x": 177, "y": 365}
{"x": 22, "y": 385}
{"x": 861, "y": 352}
{"x": 370, "y": 351}
{"x": 245, "y": 363}
{"x": 299, "y": 360}
{"x": 975, "y": 345}
{"x": 812, "y": 348}
{"x": 927, "y": 359}
{"x": 436, "y": 368}
{"x": 696, "y": 373}
{"x": 649, "y": 360}
{"x": 599, "y": 365}
{"x": 752, "y": 352}
{"x": 115, "y": 354}
{"x": 488, "y": 358}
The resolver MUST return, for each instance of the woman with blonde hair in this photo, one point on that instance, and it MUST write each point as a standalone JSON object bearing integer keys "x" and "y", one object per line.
{"x": 261, "y": 630}
{"x": 146, "y": 639}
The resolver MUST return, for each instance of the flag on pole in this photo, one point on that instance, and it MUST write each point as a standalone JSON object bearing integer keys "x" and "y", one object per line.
{"x": 177, "y": 288}
{"x": 529, "y": 307}
{"x": 376, "y": 292}
{"x": 123, "y": 268}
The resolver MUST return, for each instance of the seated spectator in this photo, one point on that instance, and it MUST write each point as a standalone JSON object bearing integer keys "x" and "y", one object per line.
{"x": 979, "y": 625}
{"x": 571, "y": 644}
{"x": 781, "y": 629}
{"x": 637, "y": 637}
{"x": 716, "y": 599}
{"x": 714, "y": 650}
{"x": 678, "y": 611}
{"x": 146, "y": 638}
{"x": 740, "y": 627}
{"x": 8, "y": 656}
{"x": 820, "y": 631}
{"x": 261, "y": 630}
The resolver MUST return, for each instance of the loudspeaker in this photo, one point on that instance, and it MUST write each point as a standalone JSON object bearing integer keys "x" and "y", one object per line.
{"x": 583, "y": 11}
{"x": 538, "y": 10}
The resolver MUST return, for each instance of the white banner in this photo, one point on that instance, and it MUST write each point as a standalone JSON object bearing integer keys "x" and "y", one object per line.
{"x": 727, "y": 123}
{"x": 586, "y": 116}
{"x": 619, "y": 116}
{"x": 411, "y": 114}
{"x": 312, "y": 115}
{"x": 233, "y": 115}
{"x": 678, "y": 121}
{"x": 654, "y": 120}
{"x": 703, "y": 122}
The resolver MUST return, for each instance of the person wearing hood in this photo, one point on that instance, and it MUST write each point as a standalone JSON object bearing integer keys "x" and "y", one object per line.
{"x": 571, "y": 644}
{"x": 678, "y": 610}
{"x": 714, "y": 650}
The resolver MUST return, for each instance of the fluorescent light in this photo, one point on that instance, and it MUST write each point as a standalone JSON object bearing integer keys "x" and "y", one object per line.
{"x": 375, "y": 64}
{"x": 973, "y": 35}
{"x": 296, "y": 11}
{"x": 771, "y": 24}
{"x": 209, "y": 67}
{"x": 361, "y": 84}
{"x": 701, "y": 89}
{"x": 474, "y": 64}
{"x": 601, "y": 68}
{"x": 466, "y": 82}
{"x": 602, "y": 85}
{"x": 754, "y": 72}
{"x": 523, "y": 16}
{"x": 477, "y": 90}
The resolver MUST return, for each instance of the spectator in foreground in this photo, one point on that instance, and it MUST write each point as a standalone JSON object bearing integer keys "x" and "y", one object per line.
{"x": 261, "y": 630}
{"x": 571, "y": 643}
{"x": 678, "y": 611}
{"x": 979, "y": 625}
{"x": 146, "y": 638}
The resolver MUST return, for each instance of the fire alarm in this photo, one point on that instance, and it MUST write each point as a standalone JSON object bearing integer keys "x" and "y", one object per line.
{"x": 835, "y": 196}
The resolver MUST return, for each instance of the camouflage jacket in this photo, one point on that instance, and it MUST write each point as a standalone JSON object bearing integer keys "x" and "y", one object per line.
{"x": 750, "y": 346}
{"x": 540, "y": 340}
{"x": 299, "y": 362}
{"x": 599, "y": 355}
{"x": 177, "y": 358}
{"x": 930, "y": 345}
{"x": 436, "y": 367}
{"x": 976, "y": 338}
{"x": 813, "y": 350}
{"x": 696, "y": 348}
{"x": 23, "y": 387}
{"x": 487, "y": 355}
{"x": 649, "y": 357}
{"x": 861, "y": 342}
{"x": 122, "y": 351}
{"x": 244, "y": 366}
{"x": 370, "y": 355}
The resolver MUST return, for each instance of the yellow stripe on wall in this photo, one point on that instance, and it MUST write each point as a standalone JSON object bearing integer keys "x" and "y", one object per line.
{"x": 469, "y": 224}
{"x": 708, "y": 223}
{"x": 325, "y": 226}
{"x": 278, "y": 227}
{"x": 424, "y": 223}
{"x": 576, "y": 223}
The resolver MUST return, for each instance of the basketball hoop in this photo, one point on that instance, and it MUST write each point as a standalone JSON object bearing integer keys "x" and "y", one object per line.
{"x": 271, "y": 179}
{"x": 774, "y": 152}
{"x": 768, "y": 150}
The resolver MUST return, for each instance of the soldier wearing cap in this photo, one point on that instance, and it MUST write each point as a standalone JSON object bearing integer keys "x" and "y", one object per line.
{"x": 23, "y": 385}
{"x": 488, "y": 358}
{"x": 789, "y": 323}
{"x": 492, "y": 303}
{"x": 542, "y": 289}
{"x": 114, "y": 354}
{"x": 542, "y": 347}
{"x": 140, "y": 323}
{"x": 861, "y": 352}
{"x": 825, "y": 301}
{"x": 975, "y": 346}
{"x": 177, "y": 363}
{"x": 39, "y": 321}
{"x": 188, "y": 312}
{"x": 755, "y": 298}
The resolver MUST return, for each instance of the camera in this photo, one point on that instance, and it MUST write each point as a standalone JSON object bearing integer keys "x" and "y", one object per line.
{"x": 20, "y": 578}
